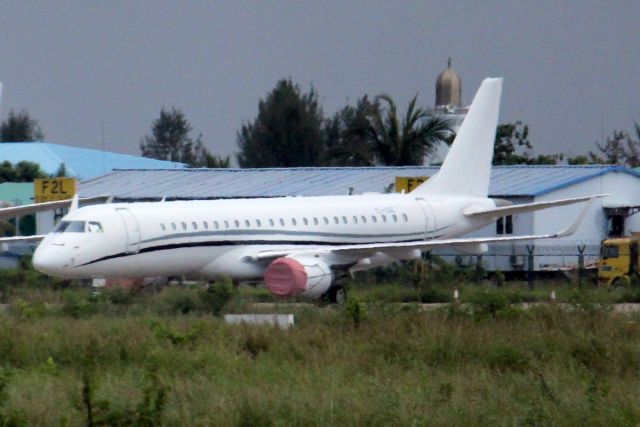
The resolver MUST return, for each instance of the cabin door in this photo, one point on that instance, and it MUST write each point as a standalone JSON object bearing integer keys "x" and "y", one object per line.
{"x": 429, "y": 219}
{"x": 132, "y": 229}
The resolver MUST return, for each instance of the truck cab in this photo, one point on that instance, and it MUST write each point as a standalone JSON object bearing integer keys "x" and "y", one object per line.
{"x": 618, "y": 260}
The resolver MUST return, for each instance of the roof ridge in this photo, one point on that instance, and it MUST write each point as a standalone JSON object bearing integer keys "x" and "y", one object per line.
{"x": 47, "y": 146}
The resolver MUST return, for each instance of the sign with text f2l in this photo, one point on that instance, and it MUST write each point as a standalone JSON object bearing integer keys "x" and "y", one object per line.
{"x": 51, "y": 189}
{"x": 408, "y": 183}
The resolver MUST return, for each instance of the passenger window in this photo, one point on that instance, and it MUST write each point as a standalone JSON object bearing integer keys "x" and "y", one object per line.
{"x": 364, "y": 219}
{"x": 315, "y": 221}
{"x": 395, "y": 218}
{"x": 162, "y": 227}
{"x": 384, "y": 218}
{"x": 326, "y": 220}
{"x": 293, "y": 222}
{"x": 305, "y": 221}
{"x": 226, "y": 224}
{"x": 205, "y": 225}
{"x": 236, "y": 223}
{"x": 336, "y": 220}
{"x": 272, "y": 223}
{"x": 405, "y": 218}
{"x": 216, "y": 225}
{"x": 344, "y": 219}
{"x": 355, "y": 219}
{"x": 374, "y": 219}
{"x": 173, "y": 226}
{"x": 282, "y": 222}
{"x": 258, "y": 223}
{"x": 247, "y": 223}
{"x": 195, "y": 225}
{"x": 184, "y": 225}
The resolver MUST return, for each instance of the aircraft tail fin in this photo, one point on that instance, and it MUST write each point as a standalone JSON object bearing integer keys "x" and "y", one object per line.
{"x": 467, "y": 168}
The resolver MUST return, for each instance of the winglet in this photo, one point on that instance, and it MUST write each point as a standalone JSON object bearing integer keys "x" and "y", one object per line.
{"x": 573, "y": 227}
{"x": 74, "y": 203}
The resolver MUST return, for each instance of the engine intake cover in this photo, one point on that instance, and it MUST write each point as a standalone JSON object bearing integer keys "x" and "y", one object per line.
{"x": 290, "y": 277}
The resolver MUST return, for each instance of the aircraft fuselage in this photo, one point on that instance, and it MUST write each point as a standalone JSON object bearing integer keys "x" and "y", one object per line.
{"x": 211, "y": 239}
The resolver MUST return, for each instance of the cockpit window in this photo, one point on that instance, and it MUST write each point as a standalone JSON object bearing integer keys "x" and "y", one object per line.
{"x": 94, "y": 227}
{"x": 70, "y": 227}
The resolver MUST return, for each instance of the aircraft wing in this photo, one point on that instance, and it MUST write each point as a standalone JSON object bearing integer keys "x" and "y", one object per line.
{"x": 527, "y": 207}
{"x": 14, "y": 211}
{"x": 35, "y": 238}
{"x": 368, "y": 249}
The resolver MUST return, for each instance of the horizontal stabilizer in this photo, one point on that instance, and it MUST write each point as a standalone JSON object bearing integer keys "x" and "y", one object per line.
{"x": 488, "y": 214}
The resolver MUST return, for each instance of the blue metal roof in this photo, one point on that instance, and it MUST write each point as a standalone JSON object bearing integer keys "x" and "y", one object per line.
{"x": 506, "y": 181}
{"x": 521, "y": 180}
{"x": 83, "y": 163}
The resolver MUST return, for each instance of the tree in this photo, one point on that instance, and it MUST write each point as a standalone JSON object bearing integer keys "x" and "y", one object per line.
{"x": 510, "y": 137}
{"x": 622, "y": 149}
{"x": 22, "y": 172}
{"x": 348, "y": 136}
{"x": 208, "y": 160}
{"x": 286, "y": 132}
{"x": 406, "y": 141}
{"x": 590, "y": 159}
{"x": 170, "y": 140}
{"x": 513, "y": 137}
{"x": 20, "y": 127}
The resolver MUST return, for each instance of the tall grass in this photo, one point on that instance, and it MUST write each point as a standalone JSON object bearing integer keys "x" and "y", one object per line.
{"x": 397, "y": 365}
{"x": 69, "y": 355}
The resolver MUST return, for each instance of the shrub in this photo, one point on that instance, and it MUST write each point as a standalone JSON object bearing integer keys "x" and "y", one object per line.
{"x": 218, "y": 295}
{"x": 256, "y": 341}
{"x": 504, "y": 357}
{"x": 77, "y": 304}
{"x": 179, "y": 300}
{"x": 163, "y": 331}
{"x": 487, "y": 304}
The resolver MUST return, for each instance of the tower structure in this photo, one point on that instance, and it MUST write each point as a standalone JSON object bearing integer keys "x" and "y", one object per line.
{"x": 448, "y": 105}
{"x": 449, "y": 97}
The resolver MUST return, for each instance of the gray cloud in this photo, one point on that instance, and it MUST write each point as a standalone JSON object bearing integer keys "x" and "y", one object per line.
{"x": 571, "y": 68}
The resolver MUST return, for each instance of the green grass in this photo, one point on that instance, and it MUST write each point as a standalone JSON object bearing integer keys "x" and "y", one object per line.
{"x": 165, "y": 358}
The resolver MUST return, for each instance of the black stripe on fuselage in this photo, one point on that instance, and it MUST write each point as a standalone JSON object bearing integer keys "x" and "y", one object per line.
{"x": 239, "y": 243}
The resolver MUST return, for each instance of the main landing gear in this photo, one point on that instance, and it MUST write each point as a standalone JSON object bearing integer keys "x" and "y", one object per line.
{"x": 336, "y": 294}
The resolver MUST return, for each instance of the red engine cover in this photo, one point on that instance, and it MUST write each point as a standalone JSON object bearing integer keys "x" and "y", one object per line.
{"x": 286, "y": 277}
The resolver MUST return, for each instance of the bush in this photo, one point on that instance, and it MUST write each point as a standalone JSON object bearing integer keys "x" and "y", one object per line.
{"x": 77, "y": 304}
{"x": 504, "y": 357}
{"x": 218, "y": 295}
{"x": 487, "y": 304}
{"x": 354, "y": 310}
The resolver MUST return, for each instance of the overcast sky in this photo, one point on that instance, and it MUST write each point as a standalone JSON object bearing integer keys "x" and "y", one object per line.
{"x": 571, "y": 69}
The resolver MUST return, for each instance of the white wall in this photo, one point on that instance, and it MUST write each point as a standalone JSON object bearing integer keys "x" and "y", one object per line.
{"x": 561, "y": 253}
{"x": 624, "y": 189}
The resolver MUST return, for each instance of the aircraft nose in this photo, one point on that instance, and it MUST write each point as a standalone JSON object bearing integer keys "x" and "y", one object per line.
{"x": 49, "y": 261}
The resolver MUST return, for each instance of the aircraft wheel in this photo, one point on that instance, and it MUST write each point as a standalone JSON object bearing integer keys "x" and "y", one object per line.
{"x": 337, "y": 295}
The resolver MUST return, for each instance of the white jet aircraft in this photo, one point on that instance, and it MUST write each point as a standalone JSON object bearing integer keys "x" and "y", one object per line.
{"x": 298, "y": 245}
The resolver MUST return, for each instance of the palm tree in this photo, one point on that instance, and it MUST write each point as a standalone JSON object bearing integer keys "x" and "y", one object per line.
{"x": 406, "y": 143}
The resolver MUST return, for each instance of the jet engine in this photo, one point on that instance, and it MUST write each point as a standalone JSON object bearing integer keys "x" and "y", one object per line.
{"x": 304, "y": 276}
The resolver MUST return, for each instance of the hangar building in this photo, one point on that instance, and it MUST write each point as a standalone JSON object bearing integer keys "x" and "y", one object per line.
{"x": 82, "y": 163}
{"x": 611, "y": 216}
